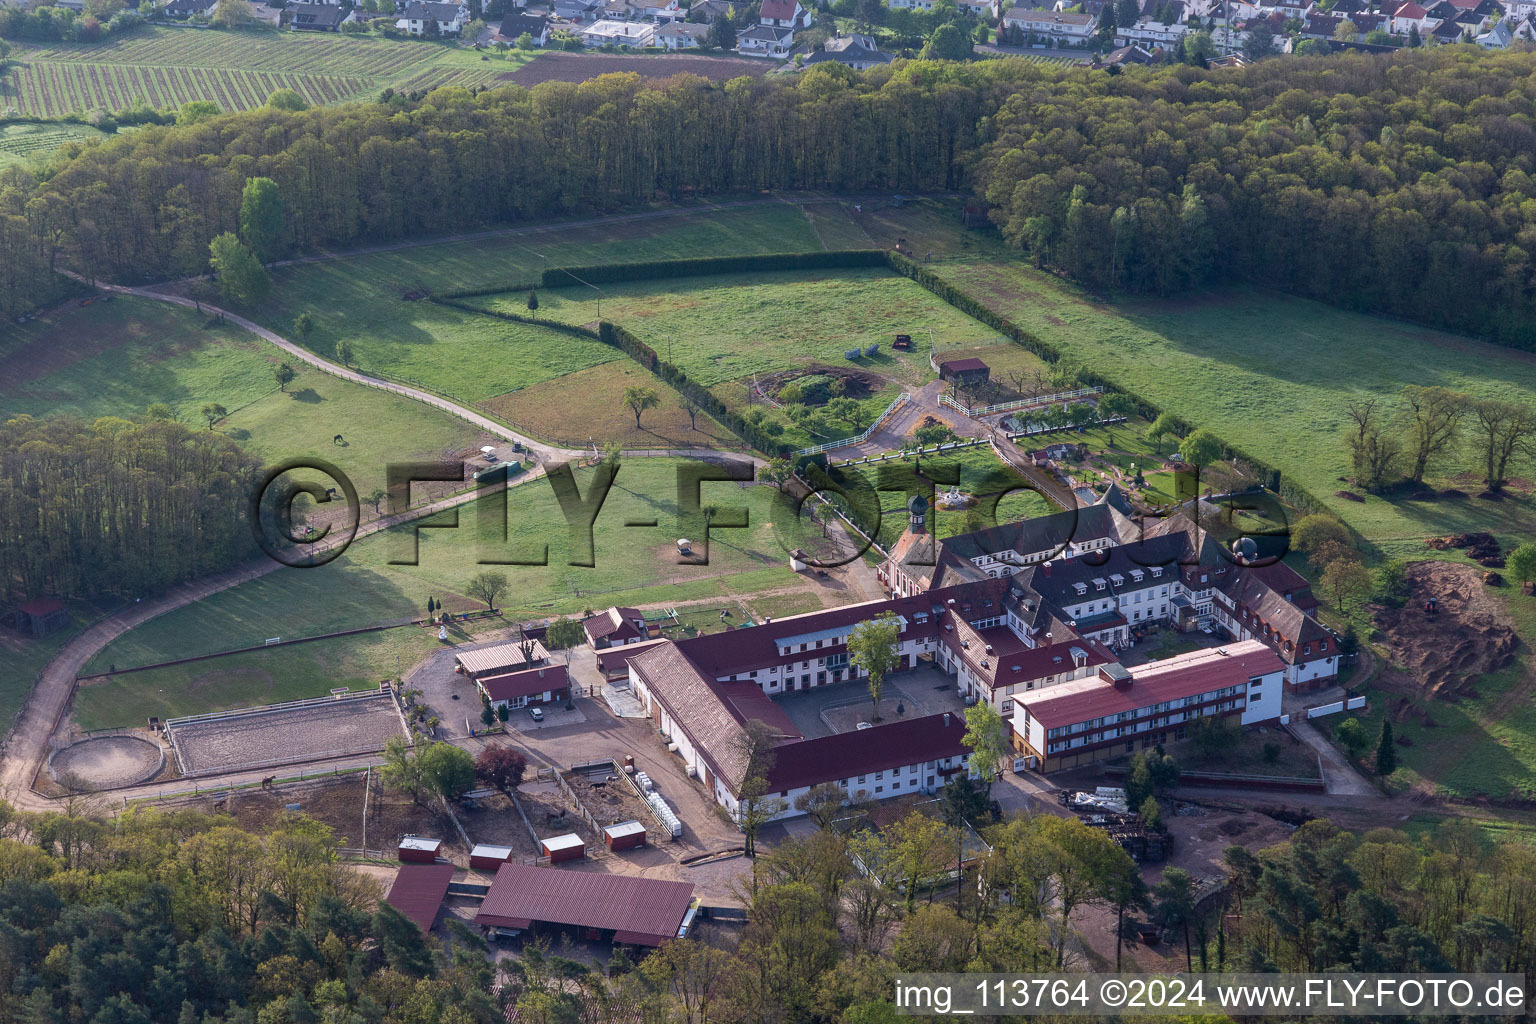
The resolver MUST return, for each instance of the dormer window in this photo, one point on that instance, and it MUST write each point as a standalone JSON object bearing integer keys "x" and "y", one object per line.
{"x": 1099, "y": 584}
{"x": 1081, "y": 588}
{"x": 1157, "y": 571}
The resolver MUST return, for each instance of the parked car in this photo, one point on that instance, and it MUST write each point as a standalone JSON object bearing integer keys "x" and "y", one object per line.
{"x": 537, "y": 714}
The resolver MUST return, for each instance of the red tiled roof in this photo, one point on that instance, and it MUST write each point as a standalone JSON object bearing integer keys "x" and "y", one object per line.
{"x": 526, "y": 683}
{"x": 778, "y": 10}
{"x": 42, "y": 607}
{"x": 848, "y": 754}
{"x": 1184, "y": 676}
{"x": 961, "y": 365}
{"x": 640, "y": 911}
{"x": 615, "y": 623}
{"x": 418, "y": 891}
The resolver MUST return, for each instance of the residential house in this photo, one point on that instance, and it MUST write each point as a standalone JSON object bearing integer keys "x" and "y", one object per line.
{"x": 577, "y": 10}
{"x": 987, "y": 10}
{"x": 615, "y": 628}
{"x": 855, "y": 51}
{"x": 1525, "y": 31}
{"x": 1320, "y": 26}
{"x": 660, "y": 11}
{"x": 912, "y": 5}
{"x": 449, "y": 18}
{"x": 187, "y": 8}
{"x": 1059, "y": 27}
{"x": 710, "y": 11}
{"x": 1447, "y": 32}
{"x": 680, "y": 35}
{"x": 1151, "y": 32}
{"x": 1498, "y": 37}
{"x": 1406, "y": 18}
{"x": 301, "y": 3}
{"x": 765, "y": 41}
{"x": 784, "y": 14}
{"x": 514, "y": 26}
{"x": 1520, "y": 10}
{"x": 1126, "y": 56}
{"x": 628, "y": 35}
{"x": 316, "y": 17}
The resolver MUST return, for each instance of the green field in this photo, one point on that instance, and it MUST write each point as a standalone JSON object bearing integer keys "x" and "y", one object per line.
{"x": 168, "y": 66}
{"x": 1267, "y": 372}
{"x": 472, "y": 358}
{"x": 23, "y": 140}
{"x": 260, "y": 677}
{"x": 115, "y": 358}
{"x": 726, "y": 328}
{"x": 634, "y": 565}
{"x": 981, "y": 474}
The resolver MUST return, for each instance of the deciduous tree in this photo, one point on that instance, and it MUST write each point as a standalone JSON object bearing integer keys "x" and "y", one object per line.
{"x": 873, "y": 646}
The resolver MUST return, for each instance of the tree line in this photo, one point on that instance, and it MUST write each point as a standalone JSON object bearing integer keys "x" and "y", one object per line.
{"x": 1397, "y": 441}
{"x": 1397, "y": 183}
{"x": 118, "y": 507}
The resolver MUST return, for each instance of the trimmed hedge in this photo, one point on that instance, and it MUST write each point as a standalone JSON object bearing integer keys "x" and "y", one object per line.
{"x": 610, "y": 273}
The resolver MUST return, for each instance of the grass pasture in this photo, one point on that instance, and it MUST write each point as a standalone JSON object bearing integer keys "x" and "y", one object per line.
{"x": 1267, "y": 372}
{"x": 981, "y": 474}
{"x": 475, "y": 359}
{"x": 634, "y": 566}
{"x": 590, "y": 404}
{"x": 168, "y": 66}
{"x": 260, "y": 677}
{"x": 726, "y": 328}
{"x": 115, "y": 358}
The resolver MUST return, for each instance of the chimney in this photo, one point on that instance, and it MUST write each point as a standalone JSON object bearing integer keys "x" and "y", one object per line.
{"x": 1045, "y": 568}
{"x": 946, "y": 719}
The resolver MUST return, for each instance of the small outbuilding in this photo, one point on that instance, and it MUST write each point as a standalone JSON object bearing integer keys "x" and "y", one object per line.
{"x": 488, "y": 858}
{"x": 418, "y": 892}
{"x": 419, "y": 850}
{"x": 499, "y": 659}
{"x": 966, "y": 371}
{"x": 532, "y": 686}
{"x": 626, "y": 835}
{"x": 616, "y": 908}
{"x": 40, "y": 617}
{"x": 563, "y": 848}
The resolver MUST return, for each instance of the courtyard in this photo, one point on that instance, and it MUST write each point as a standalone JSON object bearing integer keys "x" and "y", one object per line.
{"x": 840, "y": 707}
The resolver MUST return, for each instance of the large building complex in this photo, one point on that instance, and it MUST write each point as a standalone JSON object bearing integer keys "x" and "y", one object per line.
{"x": 1031, "y": 617}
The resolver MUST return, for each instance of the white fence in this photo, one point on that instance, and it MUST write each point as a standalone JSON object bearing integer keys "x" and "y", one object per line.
{"x": 858, "y": 438}
{"x": 1018, "y": 403}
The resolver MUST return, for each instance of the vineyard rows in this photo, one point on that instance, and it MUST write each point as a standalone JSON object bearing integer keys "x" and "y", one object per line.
{"x": 21, "y": 144}
{"x": 437, "y": 77}
{"x": 288, "y": 52}
{"x": 46, "y": 89}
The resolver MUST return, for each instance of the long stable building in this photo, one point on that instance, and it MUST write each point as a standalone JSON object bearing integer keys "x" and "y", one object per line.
{"x": 617, "y": 908}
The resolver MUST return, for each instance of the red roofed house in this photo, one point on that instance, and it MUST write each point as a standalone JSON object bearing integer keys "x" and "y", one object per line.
{"x": 530, "y": 686}
{"x": 40, "y": 617}
{"x": 615, "y": 627}
{"x": 784, "y": 14}
{"x": 1119, "y": 711}
{"x": 620, "y": 908}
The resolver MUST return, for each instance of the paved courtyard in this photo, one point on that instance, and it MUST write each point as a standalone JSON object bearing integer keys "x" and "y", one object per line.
{"x": 826, "y": 710}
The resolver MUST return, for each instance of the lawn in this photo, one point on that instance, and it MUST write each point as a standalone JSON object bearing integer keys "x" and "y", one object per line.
{"x": 22, "y": 658}
{"x": 726, "y": 328}
{"x": 167, "y": 66}
{"x": 590, "y": 404}
{"x": 1268, "y": 372}
{"x": 115, "y": 358}
{"x": 260, "y": 677}
{"x": 472, "y": 358}
{"x": 635, "y": 565}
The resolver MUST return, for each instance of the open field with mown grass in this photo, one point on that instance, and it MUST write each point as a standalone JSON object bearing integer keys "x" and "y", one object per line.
{"x": 726, "y": 328}
{"x": 1269, "y": 373}
{"x": 168, "y": 66}
{"x": 590, "y": 404}
{"x": 260, "y": 677}
{"x": 634, "y": 565}
{"x": 116, "y": 358}
{"x": 22, "y": 657}
{"x": 473, "y": 358}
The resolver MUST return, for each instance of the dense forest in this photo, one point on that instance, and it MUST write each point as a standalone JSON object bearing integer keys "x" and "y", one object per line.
{"x": 184, "y": 917}
{"x": 114, "y": 506}
{"x": 1399, "y": 183}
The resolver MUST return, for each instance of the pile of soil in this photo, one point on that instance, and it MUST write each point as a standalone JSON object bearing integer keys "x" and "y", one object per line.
{"x": 1441, "y": 654}
{"x": 856, "y": 383}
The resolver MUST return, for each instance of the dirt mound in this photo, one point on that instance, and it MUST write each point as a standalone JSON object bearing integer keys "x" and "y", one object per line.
{"x": 856, "y": 383}
{"x": 1468, "y": 636}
